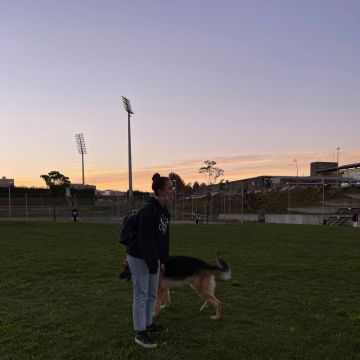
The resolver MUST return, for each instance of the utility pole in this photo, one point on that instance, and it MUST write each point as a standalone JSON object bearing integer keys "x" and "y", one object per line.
{"x": 337, "y": 166}
{"x": 295, "y": 164}
{"x": 323, "y": 195}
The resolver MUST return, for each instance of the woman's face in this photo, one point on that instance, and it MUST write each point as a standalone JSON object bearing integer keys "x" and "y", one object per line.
{"x": 168, "y": 190}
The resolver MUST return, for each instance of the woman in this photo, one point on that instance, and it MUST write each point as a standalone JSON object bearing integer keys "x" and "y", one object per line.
{"x": 146, "y": 258}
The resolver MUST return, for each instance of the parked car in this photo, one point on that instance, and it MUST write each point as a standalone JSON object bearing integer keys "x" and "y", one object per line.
{"x": 345, "y": 185}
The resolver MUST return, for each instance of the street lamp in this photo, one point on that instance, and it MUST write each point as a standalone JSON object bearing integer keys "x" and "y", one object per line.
{"x": 295, "y": 164}
{"x": 175, "y": 188}
{"x": 80, "y": 142}
{"x": 337, "y": 167}
{"x": 128, "y": 109}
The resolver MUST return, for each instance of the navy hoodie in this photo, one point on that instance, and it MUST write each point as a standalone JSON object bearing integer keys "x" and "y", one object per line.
{"x": 152, "y": 243}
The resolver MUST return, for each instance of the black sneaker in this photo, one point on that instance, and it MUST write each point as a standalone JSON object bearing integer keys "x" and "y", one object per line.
{"x": 156, "y": 328}
{"x": 142, "y": 338}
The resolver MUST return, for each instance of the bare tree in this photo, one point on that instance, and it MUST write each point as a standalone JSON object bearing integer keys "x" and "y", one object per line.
{"x": 211, "y": 173}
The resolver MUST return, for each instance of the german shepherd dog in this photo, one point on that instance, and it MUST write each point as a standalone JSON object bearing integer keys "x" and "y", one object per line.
{"x": 191, "y": 270}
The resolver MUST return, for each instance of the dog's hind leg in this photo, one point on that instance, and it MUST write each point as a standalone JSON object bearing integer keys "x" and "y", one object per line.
{"x": 217, "y": 306}
{"x": 204, "y": 287}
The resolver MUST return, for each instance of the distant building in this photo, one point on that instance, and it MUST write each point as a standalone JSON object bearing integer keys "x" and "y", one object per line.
{"x": 349, "y": 170}
{"x": 321, "y": 173}
{"x": 82, "y": 187}
{"x": 317, "y": 166}
{"x": 271, "y": 183}
{"x": 111, "y": 193}
{"x": 353, "y": 173}
{"x": 4, "y": 182}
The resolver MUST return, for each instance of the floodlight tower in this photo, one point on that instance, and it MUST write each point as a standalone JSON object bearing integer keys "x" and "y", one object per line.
{"x": 80, "y": 142}
{"x": 128, "y": 109}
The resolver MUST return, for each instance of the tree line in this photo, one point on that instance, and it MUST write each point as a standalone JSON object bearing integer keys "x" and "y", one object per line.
{"x": 57, "y": 182}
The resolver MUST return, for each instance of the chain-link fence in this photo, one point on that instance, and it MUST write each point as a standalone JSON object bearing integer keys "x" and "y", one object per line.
{"x": 220, "y": 206}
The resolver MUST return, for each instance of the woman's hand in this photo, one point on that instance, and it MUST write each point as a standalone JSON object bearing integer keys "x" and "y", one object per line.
{"x": 162, "y": 267}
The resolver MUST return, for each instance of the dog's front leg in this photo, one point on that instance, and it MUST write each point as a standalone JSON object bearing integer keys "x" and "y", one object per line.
{"x": 166, "y": 299}
{"x": 160, "y": 295}
{"x": 204, "y": 306}
{"x": 157, "y": 307}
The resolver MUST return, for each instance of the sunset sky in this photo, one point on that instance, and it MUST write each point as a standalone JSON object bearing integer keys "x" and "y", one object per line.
{"x": 249, "y": 84}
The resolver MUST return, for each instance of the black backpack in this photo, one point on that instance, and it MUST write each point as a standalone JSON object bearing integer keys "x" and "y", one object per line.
{"x": 128, "y": 230}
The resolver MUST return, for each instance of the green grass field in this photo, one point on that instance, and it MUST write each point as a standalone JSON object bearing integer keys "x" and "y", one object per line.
{"x": 294, "y": 294}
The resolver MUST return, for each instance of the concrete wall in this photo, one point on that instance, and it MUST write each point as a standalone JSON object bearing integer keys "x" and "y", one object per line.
{"x": 315, "y": 210}
{"x": 294, "y": 219}
{"x": 276, "y": 218}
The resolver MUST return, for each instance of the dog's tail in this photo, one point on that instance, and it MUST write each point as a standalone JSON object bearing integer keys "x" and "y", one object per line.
{"x": 224, "y": 268}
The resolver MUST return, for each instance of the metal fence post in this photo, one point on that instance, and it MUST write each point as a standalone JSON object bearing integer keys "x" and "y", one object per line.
{"x": 26, "y": 206}
{"x": 9, "y": 201}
